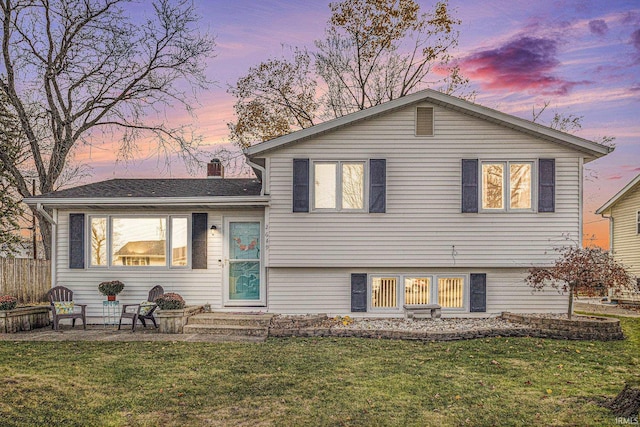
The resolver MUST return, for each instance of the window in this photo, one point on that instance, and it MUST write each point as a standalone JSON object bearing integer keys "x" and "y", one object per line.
{"x": 638, "y": 222}
{"x": 338, "y": 186}
{"x": 134, "y": 241}
{"x": 384, "y": 292}
{"x": 179, "y": 241}
{"x": 98, "y": 233}
{"x": 450, "y": 292}
{"x": 417, "y": 290}
{"x": 507, "y": 186}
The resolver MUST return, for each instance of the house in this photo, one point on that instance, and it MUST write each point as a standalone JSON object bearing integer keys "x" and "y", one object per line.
{"x": 623, "y": 212}
{"x": 423, "y": 199}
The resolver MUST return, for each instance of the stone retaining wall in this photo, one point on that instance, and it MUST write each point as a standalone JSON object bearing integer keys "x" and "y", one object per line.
{"x": 582, "y": 328}
{"x": 578, "y": 328}
{"x": 24, "y": 319}
{"x": 396, "y": 334}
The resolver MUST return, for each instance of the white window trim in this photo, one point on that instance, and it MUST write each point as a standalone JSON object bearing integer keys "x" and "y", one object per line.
{"x": 465, "y": 292}
{"x": 433, "y": 290}
{"x": 107, "y": 242}
{"x": 168, "y": 254}
{"x": 399, "y": 298}
{"x": 506, "y": 193}
{"x": 339, "y": 163}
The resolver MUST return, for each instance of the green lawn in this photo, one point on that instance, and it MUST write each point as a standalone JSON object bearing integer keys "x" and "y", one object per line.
{"x": 301, "y": 382}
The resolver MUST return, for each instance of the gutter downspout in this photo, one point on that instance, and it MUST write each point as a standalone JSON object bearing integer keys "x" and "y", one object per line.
{"x": 263, "y": 181}
{"x": 45, "y": 214}
{"x": 610, "y": 218}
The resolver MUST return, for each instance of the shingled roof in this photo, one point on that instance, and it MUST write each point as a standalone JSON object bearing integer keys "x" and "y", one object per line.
{"x": 143, "y": 188}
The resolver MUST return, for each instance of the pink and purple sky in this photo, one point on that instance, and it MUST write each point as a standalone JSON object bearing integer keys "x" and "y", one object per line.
{"x": 583, "y": 56}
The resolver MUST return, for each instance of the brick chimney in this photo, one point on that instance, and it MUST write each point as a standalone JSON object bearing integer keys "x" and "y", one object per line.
{"x": 215, "y": 169}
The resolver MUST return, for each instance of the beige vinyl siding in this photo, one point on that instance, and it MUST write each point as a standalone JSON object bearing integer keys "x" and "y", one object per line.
{"x": 423, "y": 221}
{"x": 328, "y": 290}
{"x": 195, "y": 286}
{"x": 626, "y": 240}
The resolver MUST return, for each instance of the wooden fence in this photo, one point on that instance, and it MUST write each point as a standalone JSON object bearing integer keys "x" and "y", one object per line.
{"x": 26, "y": 279}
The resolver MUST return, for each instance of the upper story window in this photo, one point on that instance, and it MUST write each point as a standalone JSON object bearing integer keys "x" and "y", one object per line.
{"x": 134, "y": 241}
{"x": 638, "y": 222}
{"x": 338, "y": 185}
{"x": 507, "y": 186}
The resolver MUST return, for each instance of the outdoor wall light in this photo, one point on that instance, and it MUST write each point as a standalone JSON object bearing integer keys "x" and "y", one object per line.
{"x": 213, "y": 230}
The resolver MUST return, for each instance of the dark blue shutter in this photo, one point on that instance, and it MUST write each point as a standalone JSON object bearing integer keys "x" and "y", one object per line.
{"x": 358, "y": 292}
{"x": 199, "y": 230}
{"x": 469, "y": 185}
{"x": 478, "y": 291}
{"x": 377, "y": 185}
{"x": 76, "y": 240}
{"x": 546, "y": 185}
{"x": 301, "y": 185}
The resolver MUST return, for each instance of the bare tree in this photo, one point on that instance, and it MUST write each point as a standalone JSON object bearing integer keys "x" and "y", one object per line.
{"x": 373, "y": 51}
{"x": 565, "y": 122}
{"x": 72, "y": 67}
{"x": 11, "y": 210}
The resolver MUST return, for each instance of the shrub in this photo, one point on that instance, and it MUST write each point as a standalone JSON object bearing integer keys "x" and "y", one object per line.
{"x": 7, "y": 302}
{"x": 170, "y": 301}
{"x": 113, "y": 287}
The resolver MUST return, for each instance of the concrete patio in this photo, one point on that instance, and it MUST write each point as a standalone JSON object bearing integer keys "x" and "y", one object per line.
{"x": 109, "y": 333}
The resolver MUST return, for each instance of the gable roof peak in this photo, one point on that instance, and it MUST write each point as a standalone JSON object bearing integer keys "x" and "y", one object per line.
{"x": 438, "y": 98}
{"x": 619, "y": 195}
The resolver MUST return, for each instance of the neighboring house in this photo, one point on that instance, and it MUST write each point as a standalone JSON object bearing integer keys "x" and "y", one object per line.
{"x": 423, "y": 199}
{"x": 623, "y": 212}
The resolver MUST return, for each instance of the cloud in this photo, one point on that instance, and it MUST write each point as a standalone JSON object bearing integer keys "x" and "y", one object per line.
{"x": 525, "y": 63}
{"x": 598, "y": 27}
{"x": 630, "y": 168}
{"x": 635, "y": 39}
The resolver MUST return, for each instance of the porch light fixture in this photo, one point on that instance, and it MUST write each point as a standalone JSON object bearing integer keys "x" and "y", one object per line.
{"x": 213, "y": 229}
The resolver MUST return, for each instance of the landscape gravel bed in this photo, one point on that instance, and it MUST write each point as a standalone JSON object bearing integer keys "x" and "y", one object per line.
{"x": 430, "y": 325}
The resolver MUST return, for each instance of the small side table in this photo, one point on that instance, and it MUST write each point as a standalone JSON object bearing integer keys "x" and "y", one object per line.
{"x": 110, "y": 312}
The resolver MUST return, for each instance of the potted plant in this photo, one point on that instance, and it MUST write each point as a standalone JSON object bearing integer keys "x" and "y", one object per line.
{"x": 170, "y": 301}
{"x": 7, "y": 302}
{"x": 111, "y": 289}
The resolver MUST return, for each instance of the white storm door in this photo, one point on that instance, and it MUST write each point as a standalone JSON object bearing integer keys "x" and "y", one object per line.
{"x": 244, "y": 284}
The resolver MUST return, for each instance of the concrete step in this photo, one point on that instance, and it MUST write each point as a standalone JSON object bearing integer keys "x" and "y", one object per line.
{"x": 257, "y": 320}
{"x": 227, "y": 330}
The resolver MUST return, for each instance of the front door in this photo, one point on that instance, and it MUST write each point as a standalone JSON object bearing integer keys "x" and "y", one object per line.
{"x": 244, "y": 284}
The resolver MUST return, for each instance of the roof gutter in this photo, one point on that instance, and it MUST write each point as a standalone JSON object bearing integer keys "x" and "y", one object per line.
{"x": 148, "y": 201}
